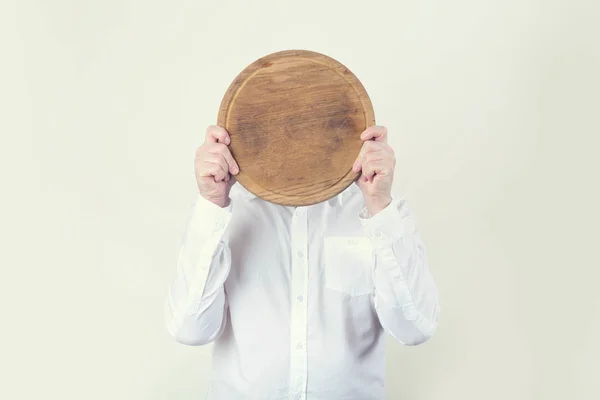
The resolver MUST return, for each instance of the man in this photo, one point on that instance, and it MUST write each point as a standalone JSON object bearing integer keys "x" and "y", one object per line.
{"x": 297, "y": 300}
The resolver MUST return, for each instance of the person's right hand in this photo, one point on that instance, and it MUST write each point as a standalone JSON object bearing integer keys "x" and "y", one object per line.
{"x": 215, "y": 166}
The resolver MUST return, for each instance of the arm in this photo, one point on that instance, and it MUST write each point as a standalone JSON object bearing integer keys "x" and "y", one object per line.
{"x": 196, "y": 305}
{"x": 405, "y": 295}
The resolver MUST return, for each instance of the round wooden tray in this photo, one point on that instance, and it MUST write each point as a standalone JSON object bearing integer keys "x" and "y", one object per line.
{"x": 295, "y": 119}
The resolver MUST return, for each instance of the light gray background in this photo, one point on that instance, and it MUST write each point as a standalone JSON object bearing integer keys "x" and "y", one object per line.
{"x": 492, "y": 108}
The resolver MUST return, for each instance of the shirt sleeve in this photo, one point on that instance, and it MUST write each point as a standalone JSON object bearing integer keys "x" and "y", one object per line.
{"x": 405, "y": 295}
{"x": 196, "y": 304}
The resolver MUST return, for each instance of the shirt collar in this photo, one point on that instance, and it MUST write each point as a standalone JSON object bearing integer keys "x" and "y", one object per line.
{"x": 340, "y": 198}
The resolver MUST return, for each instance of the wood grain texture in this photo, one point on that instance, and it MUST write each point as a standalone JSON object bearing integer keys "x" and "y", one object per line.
{"x": 295, "y": 119}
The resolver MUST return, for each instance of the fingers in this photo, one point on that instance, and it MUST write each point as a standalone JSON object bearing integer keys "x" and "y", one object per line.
{"x": 218, "y": 160}
{"x": 214, "y": 160}
{"x": 216, "y": 134}
{"x": 374, "y": 137}
{"x": 375, "y": 151}
{"x": 217, "y": 139}
{"x": 372, "y": 168}
{"x": 376, "y": 132}
{"x": 223, "y": 152}
{"x": 208, "y": 169}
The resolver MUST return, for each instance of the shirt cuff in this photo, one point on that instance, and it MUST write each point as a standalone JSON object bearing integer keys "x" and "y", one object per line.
{"x": 206, "y": 211}
{"x": 388, "y": 225}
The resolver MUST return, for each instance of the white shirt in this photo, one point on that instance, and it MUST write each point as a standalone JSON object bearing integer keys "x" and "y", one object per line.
{"x": 297, "y": 300}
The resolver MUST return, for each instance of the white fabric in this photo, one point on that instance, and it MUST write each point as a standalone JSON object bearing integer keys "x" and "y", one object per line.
{"x": 297, "y": 300}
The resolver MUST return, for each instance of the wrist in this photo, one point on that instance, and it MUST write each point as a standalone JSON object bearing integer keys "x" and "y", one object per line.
{"x": 376, "y": 204}
{"x": 222, "y": 202}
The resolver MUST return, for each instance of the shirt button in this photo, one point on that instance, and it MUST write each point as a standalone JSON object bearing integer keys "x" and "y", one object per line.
{"x": 377, "y": 234}
{"x": 297, "y": 396}
{"x": 298, "y": 212}
{"x": 300, "y": 254}
{"x": 299, "y": 298}
{"x": 220, "y": 225}
{"x": 299, "y": 346}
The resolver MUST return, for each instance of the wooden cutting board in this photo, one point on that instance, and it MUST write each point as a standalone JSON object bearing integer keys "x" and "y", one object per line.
{"x": 295, "y": 119}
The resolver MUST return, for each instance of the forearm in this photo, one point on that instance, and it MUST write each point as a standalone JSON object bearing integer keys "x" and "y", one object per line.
{"x": 405, "y": 295}
{"x": 196, "y": 304}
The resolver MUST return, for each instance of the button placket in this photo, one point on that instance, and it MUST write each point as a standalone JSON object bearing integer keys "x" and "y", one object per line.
{"x": 299, "y": 285}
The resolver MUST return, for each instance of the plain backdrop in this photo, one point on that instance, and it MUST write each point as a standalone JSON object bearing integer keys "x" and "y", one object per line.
{"x": 493, "y": 108}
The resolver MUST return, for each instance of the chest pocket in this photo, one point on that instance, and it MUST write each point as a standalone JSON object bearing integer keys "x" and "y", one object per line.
{"x": 348, "y": 265}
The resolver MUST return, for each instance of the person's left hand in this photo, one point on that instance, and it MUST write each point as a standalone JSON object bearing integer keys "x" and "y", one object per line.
{"x": 377, "y": 161}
